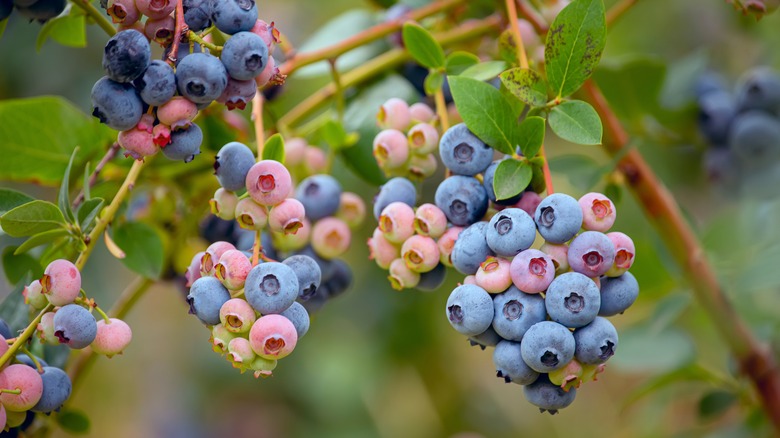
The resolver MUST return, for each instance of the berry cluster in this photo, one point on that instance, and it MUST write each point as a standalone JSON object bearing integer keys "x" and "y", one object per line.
{"x": 407, "y": 141}
{"x": 40, "y": 10}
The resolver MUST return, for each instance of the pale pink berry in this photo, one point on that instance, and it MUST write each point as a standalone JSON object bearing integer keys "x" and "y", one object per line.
{"x": 237, "y": 94}
{"x": 559, "y": 255}
{"x": 177, "y": 112}
{"x": 429, "y": 220}
{"x": 237, "y": 316}
{"x": 315, "y": 162}
{"x": 160, "y": 30}
{"x": 232, "y": 269}
{"x": 598, "y": 212}
{"x": 156, "y": 9}
{"x": 45, "y": 329}
{"x": 294, "y": 151}
{"x": 391, "y": 149}
{"x": 330, "y": 237}
{"x": 293, "y": 242}
{"x": 146, "y": 123}
{"x": 421, "y": 112}
{"x": 532, "y": 271}
{"x": 123, "y": 11}
{"x": 446, "y": 242}
{"x": 381, "y": 250}
{"x": 401, "y": 277}
{"x": 528, "y": 202}
{"x": 139, "y": 26}
{"x": 138, "y": 143}
{"x": 61, "y": 282}
{"x": 220, "y": 338}
{"x": 470, "y": 279}
{"x": 352, "y": 209}
{"x": 423, "y": 139}
{"x": 268, "y": 32}
{"x": 624, "y": 254}
{"x": 112, "y": 338}
{"x": 394, "y": 114}
{"x": 273, "y": 337}
{"x": 212, "y": 255}
{"x": 420, "y": 253}
{"x": 269, "y": 72}
{"x": 287, "y": 217}
{"x": 240, "y": 352}
{"x": 193, "y": 270}
{"x": 161, "y": 135}
{"x": 223, "y": 204}
{"x": 33, "y": 295}
{"x": 493, "y": 275}
{"x": 24, "y": 378}
{"x": 250, "y": 215}
{"x": 422, "y": 166}
{"x": 268, "y": 182}
{"x": 397, "y": 222}
{"x": 4, "y": 417}
{"x": 263, "y": 367}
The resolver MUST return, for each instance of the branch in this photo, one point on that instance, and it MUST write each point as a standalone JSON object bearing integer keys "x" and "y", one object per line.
{"x": 110, "y": 154}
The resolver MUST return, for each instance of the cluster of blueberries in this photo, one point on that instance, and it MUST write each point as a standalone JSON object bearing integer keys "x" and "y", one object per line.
{"x": 407, "y": 141}
{"x": 743, "y": 131}
{"x": 40, "y": 10}
{"x": 153, "y": 102}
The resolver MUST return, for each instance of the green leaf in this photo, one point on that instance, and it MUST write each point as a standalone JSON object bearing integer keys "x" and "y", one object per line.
{"x": 632, "y": 85}
{"x": 87, "y": 213}
{"x": 716, "y": 403}
{"x": 63, "y": 199}
{"x": 10, "y": 199}
{"x": 32, "y": 218}
{"x": 334, "y": 134}
{"x": 274, "y": 148}
{"x": 574, "y": 45}
{"x": 422, "y": 46}
{"x": 433, "y": 82}
{"x": 507, "y": 48}
{"x": 527, "y": 85}
{"x": 41, "y": 239}
{"x": 17, "y": 267}
{"x": 73, "y": 421}
{"x": 531, "y": 135}
{"x": 13, "y": 310}
{"x": 69, "y": 30}
{"x": 142, "y": 246}
{"x": 40, "y": 133}
{"x": 486, "y": 112}
{"x": 484, "y": 71}
{"x": 459, "y": 61}
{"x": 576, "y": 121}
{"x": 511, "y": 178}
{"x": 538, "y": 183}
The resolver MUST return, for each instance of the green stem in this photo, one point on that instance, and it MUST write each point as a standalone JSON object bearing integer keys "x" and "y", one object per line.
{"x": 340, "y": 100}
{"x": 102, "y": 314}
{"x": 95, "y": 14}
{"x": 33, "y": 359}
{"x": 192, "y": 36}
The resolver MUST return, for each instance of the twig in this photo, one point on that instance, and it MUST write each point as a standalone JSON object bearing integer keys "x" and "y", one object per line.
{"x": 179, "y": 29}
{"x": 110, "y": 155}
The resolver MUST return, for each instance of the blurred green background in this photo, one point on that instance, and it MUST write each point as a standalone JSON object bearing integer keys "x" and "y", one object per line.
{"x": 382, "y": 363}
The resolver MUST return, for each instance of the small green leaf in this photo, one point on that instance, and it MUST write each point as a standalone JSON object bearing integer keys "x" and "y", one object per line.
{"x": 511, "y": 178}
{"x": 32, "y": 218}
{"x": 538, "y": 183}
{"x": 41, "y": 239}
{"x": 17, "y": 267}
{"x": 484, "y": 71}
{"x": 527, "y": 85}
{"x": 715, "y": 403}
{"x": 507, "y": 49}
{"x": 576, "y": 121}
{"x": 73, "y": 421}
{"x": 422, "y": 46}
{"x": 531, "y": 135}
{"x": 459, "y": 61}
{"x": 10, "y": 199}
{"x": 142, "y": 246}
{"x": 68, "y": 30}
{"x": 63, "y": 199}
{"x": 486, "y": 113}
{"x": 87, "y": 213}
{"x": 574, "y": 45}
{"x": 433, "y": 82}
{"x": 274, "y": 148}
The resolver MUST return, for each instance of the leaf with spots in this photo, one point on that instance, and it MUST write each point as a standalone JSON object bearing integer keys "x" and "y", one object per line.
{"x": 527, "y": 85}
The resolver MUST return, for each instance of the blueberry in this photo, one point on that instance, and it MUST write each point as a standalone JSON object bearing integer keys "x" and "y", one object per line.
{"x": 327, "y": 267}
{"x": 430, "y": 281}
{"x": 245, "y": 56}
{"x": 117, "y": 105}
{"x": 201, "y": 78}
{"x": 618, "y": 294}
{"x": 572, "y": 300}
{"x": 510, "y": 231}
{"x": 340, "y": 278}
{"x": 510, "y": 365}
{"x": 470, "y": 309}
{"x": 708, "y": 82}
{"x": 74, "y": 326}
{"x": 397, "y": 189}
{"x": 42, "y": 10}
{"x": 591, "y": 253}
{"x": 157, "y": 85}
{"x": 6, "y": 6}
{"x": 56, "y": 390}
{"x": 197, "y": 14}
{"x": 25, "y": 359}
{"x": 515, "y": 312}
{"x": 231, "y": 165}
{"x": 716, "y": 112}
{"x": 298, "y": 315}
{"x": 755, "y": 139}
{"x": 185, "y": 144}
{"x": 183, "y": 50}
{"x": 271, "y": 287}
{"x": 462, "y": 199}
{"x": 488, "y": 338}
{"x": 5, "y": 330}
{"x": 463, "y": 153}
{"x": 547, "y": 396}
{"x": 233, "y": 16}
{"x": 759, "y": 89}
{"x": 547, "y": 346}
{"x": 206, "y": 297}
{"x": 596, "y": 342}
{"x": 320, "y": 196}
{"x": 126, "y": 55}
{"x": 558, "y": 218}
{"x": 308, "y": 274}
{"x": 471, "y": 249}
{"x": 487, "y": 182}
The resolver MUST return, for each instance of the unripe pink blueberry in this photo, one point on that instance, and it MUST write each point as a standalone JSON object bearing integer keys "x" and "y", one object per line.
{"x": 559, "y": 255}
{"x": 423, "y": 139}
{"x": 391, "y": 149}
{"x": 223, "y": 204}
{"x": 493, "y": 275}
{"x": 263, "y": 367}
{"x": 4, "y": 417}
{"x": 381, "y": 250}
{"x": 161, "y": 135}
{"x": 316, "y": 161}
{"x": 528, "y": 202}
{"x": 160, "y": 30}
{"x": 422, "y": 166}
{"x": 532, "y": 271}
{"x": 598, "y": 212}
{"x": 156, "y": 9}
{"x": 470, "y": 279}
{"x": 293, "y": 242}
{"x": 138, "y": 143}
{"x": 33, "y": 295}
{"x": 45, "y": 329}
{"x": 624, "y": 254}
{"x": 61, "y": 282}
{"x": 146, "y": 123}
{"x": 269, "y": 71}
{"x": 123, "y": 11}
{"x": 24, "y": 378}
{"x": 232, "y": 269}
{"x": 591, "y": 253}
{"x": 570, "y": 376}
{"x": 139, "y": 26}
{"x": 287, "y": 217}
{"x": 429, "y": 220}
{"x": 397, "y": 222}
{"x": 268, "y": 32}
{"x": 394, "y": 114}
{"x": 237, "y": 316}
{"x": 193, "y": 270}
{"x": 177, "y": 112}
{"x": 112, "y": 338}
{"x": 330, "y": 237}
{"x": 220, "y": 338}
{"x": 237, "y": 93}
{"x": 240, "y": 352}
{"x": 294, "y": 151}
{"x": 211, "y": 256}
{"x": 421, "y": 112}
{"x": 268, "y": 182}
{"x": 401, "y": 277}
{"x": 273, "y": 337}
{"x": 250, "y": 215}
{"x": 352, "y": 209}
{"x": 420, "y": 253}
{"x": 445, "y": 244}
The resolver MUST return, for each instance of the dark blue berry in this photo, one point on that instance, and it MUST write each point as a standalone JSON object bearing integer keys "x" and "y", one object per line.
{"x": 308, "y": 273}
{"x": 197, "y": 14}
{"x": 510, "y": 231}
{"x": 462, "y": 199}
{"x": 206, "y": 297}
{"x": 510, "y": 366}
{"x": 201, "y": 78}
{"x": 6, "y": 6}
{"x": 488, "y": 338}
{"x": 158, "y": 83}
{"x": 618, "y": 294}
{"x": 547, "y": 396}
{"x": 340, "y": 278}
{"x": 515, "y": 312}
{"x": 233, "y": 16}
{"x": 463, "y": 152}
{"x": 471, "y": 249}
{"x": 74, "y": 326}
{"x": 716, "y": 112}
{"x": 759, "y": 89}
{"x": 185, "y": 144}
{"x": 596, "y": 342}
{"x": 56, "y": 390}
{"x": 271, "y": 287}
{"x": 231, "y": 165}
{"x": 469, "y": 309}
{"x": 245, "y": 55}
{"x": 431, "y": 281}
{"x": 547, "y": 346}
{"x": 397, "y": 189}
{"x": 117, "y": 105}
{"x": 42, "y": 10}
{"x": 755, "y": 139}
{"x": 126, "y": 55}
{"x": 558, "y": 218}
{"x": 25, "y": 359}
{"x": 320, "y": 196}
{"x": 298, "y": 315}
{"x": 5, "y": 330}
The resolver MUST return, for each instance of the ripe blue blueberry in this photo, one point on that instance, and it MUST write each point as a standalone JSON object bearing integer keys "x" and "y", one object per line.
{"x": 572, "y": 300}
{"x": 463, "y": 152}
{"x": 716, "y": 112}
{"x": 42, "y": 10}
{"x": 510, "y": 365}
{"x": 157, "y": 84}
{"x": 618, "y": 294}
{"x": 201, "y": 78}
{"x": 197, "y": 14}
{"x": 271, "y": 287}
{"x": 510, "y": 231}
{"x": 397, "y": 189}
{"x": 431, "y": 281}
{"x": 206, "y": 297}
{"x": 339, "y": 278}
{"x": 245, "y": 56}
{"x": 298, "y": 315}
{"x": 707, "y": 83}
{"x": 233, "y": 16}
{"x": 308, "y": 273}
{"x": 231, "y": 165}
{"x": 596, "y": 342}
{"x": 488, "y": 338}
{"x": 469, "y": 309}
{"x": 471, "y": 249}
{"x": 117, "y": 105}
{"x": 759, "y": 89}
{"x": 558, "y": 218}
{"x": 547, "y": 396}
{"x": 462, "y": 199}
{"x": 74, "y": 326}
{"x": 320, "y": 196}
{"x": 25, "y": 359}
{"x": 755, "y": 139}
{"x": 6, "y": 6}
{"x": 547, "y": 346}
{"x": 487, "y": 182}
{"x": 56, "y": 390}
{"x": 126, "y": 55}
{"x": 515, "y": 312}
{"x": 5, "y": 330}
{"x": 185, "y": 144}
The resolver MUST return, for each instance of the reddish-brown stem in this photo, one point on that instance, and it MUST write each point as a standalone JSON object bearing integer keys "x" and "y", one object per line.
{"x": 110, "y": 154}
{"x": 546, "y": 169}
{"x": 511, "y": 15}
{"x": 180, "y": 28}
{"x": 755, "y": 359}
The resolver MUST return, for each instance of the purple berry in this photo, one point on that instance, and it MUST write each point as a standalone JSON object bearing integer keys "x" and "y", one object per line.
{"x": 237, "y": 93}
{"x": 156, "y": 9}
{"x": 74, "y": 326}
{"x": 197, "y": 14}
{"x": 591, "y": 253}
{"x": 126, "y": 56}
{"x": 185, "y": 144}
{"x": 548, "y": 396}
{"x": 56, "y": 390}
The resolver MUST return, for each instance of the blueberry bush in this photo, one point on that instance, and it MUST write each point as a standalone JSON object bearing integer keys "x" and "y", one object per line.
{"x": 193, "y": 182}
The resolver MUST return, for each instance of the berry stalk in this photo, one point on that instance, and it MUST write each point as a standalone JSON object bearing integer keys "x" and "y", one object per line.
{"x": 110, "y": 155}
{"x": 179, "y": 29}
{"x": 95, "y": 14}
{"x": 511, "y": 14}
